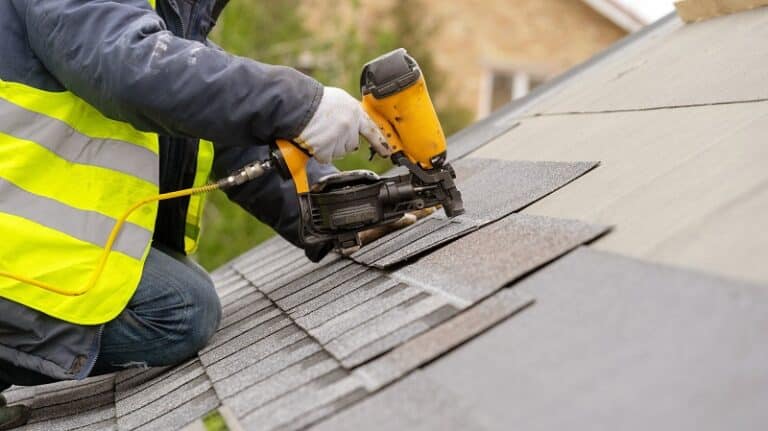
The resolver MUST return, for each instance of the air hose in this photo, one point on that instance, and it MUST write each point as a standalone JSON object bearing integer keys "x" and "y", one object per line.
{"x": 243, "y": 175}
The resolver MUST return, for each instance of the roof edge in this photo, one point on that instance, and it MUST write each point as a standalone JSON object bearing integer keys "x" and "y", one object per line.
{"x": 619, "y": 14}
{"x": 500, "y": 121}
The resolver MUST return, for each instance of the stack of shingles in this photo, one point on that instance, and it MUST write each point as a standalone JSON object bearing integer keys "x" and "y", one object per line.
{"x": 267, "y": 371}
{"x": 300, "y": 341}
{"x": 70, "y": 405}
{"x": 347, "y": 329}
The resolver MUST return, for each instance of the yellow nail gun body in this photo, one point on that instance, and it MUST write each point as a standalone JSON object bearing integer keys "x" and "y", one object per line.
{"x": 395, "y": 96}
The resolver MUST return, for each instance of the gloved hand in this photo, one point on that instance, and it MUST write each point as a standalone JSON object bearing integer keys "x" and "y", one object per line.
{"x": 334, "y": 129}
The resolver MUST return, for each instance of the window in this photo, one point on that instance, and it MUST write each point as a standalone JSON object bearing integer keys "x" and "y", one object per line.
{"x": 499, "y": 88}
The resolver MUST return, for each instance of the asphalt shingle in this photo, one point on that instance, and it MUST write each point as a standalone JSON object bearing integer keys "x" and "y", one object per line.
{"x": 514, "y": 185}
{"x": 484, "y": 261}
{"x": 436, "y": 342}
{"x": 415, "y": 308}
{"x": 188, "y": 398}
{"x": 315, "y": 284}
{"x": 365, "y": 312}
{"x": 455, "y": 228}
{"x": 414, "y": 404}
{"x": 100, "y": 417}
{"x": 177, "y": 417}
{"x": 132, "y": 399}
{"x": 72, "y": 405}
{"x": 252, "y": 352}
{"x": 274, "y": 363}
{"x": 251, "y": 346}
{"x": 326, "y": 394}
{"x": 282, "y": 382}
{"x": 341, "y": 299}
{"x": 253, "y": 319}
{"x": 645, "y": 345}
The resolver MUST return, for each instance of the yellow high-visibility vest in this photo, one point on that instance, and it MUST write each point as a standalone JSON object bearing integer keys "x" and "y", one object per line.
{"x": 196, "y": 205}
{"x": 67, "y": 173}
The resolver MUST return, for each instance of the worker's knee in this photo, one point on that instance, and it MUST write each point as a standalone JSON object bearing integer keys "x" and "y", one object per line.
{"x": 193, "y": 320}
{"x": 173, "y": 314}
{"x": 201, "y": 308}
{"x": 202, "y": 313}
{"x": 205, "y": 314}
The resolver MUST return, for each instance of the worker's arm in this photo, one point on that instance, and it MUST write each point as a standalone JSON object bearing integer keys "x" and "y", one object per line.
{"x": 119, "y": 57}
{"x": 270, "y": 198}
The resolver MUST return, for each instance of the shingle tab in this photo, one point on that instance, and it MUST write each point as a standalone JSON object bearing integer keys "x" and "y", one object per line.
{"x": 365, "y": 312}
{"x": 254, "y": 352}
{"x": 482, "y": 262}
{"x": 246, "y": 307}
{"x": 245, "y": 324}
{"x": 176, "y": 417}
{"x": 392, "y": 242}
{"x": 496, "y": 188}
{"x": 434, "y": 343}
{"x": 72, "y": 405}
{"x": 130, "y": 381}
{"x": 314, "y": 283}
{"x": 283, "y": 382}
{"x": 20, "y": 394}
{"x": 271, "y": 364}
{"x": 412, "y": 309}
{"x": 325, "y": 394}
{"x": 275, "y": 248}
{"x": 454, "y": 228}
{"x": 179, "y": 401}
{"x": 491, "y": 189}
{"x": 133, "y": 399}
{"x": 399, "y": 336}
{"x": 343, "y": 298}
{"x": 100, "y": 417}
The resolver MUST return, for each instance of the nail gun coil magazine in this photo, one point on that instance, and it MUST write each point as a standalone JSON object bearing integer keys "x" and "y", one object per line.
{"x": 355, "y": 200}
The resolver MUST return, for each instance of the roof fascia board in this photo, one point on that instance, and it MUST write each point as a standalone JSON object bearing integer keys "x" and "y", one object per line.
{"x": 618, "y": 14}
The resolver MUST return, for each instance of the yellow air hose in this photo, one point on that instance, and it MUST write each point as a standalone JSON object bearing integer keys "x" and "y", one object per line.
{"x": 241, "y": 176}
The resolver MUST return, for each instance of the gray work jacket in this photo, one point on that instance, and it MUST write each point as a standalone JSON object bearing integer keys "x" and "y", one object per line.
{"x": 156, "y": 71}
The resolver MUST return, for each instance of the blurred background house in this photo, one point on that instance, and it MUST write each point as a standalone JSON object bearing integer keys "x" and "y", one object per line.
{"x": 488, "y": 51}
{"x": 477, "y": 56}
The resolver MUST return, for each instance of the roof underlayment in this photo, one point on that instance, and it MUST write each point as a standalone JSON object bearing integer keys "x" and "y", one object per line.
{"x": 631, "y": 295}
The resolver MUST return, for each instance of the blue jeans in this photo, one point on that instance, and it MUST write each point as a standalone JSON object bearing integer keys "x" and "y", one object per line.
{"x": 171, "y": 316}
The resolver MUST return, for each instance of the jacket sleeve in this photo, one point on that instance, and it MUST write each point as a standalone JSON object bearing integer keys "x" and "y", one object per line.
{"x": 119, "y": 57}
{"x": 271, "y": 198}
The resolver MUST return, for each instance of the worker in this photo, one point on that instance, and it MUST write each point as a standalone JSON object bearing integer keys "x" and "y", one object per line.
{"x": 101, "y": 104}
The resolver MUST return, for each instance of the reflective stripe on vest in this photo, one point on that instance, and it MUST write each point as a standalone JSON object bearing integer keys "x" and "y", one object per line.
{"x": 197, "y": 202}
{"x": 66, "y": 174}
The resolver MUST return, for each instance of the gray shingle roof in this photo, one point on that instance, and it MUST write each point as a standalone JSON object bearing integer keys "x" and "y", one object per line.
{"x": 491, "y": 320}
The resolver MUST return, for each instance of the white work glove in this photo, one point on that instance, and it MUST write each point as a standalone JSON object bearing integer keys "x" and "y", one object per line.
{"x": 334, "y": 129}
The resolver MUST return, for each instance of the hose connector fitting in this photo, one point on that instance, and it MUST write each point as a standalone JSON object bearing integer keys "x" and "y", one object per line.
{"x": 246, "y": 173}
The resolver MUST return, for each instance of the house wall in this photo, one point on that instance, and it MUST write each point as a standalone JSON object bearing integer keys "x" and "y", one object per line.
{"x": 545, "y": 37}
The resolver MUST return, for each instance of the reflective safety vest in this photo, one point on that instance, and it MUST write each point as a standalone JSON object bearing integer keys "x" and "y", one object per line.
{"x": 67, "y": 173}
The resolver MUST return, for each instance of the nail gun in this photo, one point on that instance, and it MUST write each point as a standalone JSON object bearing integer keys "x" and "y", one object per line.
{"x": 340, "y": 206}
